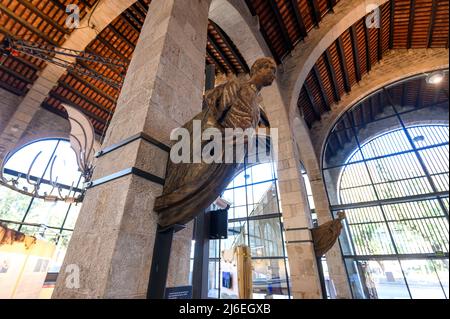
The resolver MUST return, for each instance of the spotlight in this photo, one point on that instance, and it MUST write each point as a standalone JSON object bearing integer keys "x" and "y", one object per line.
{"x": 435, "y": 77}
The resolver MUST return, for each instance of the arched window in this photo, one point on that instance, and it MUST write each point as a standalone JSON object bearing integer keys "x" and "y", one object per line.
{"x": 254, "y": 219}
{"x": 386, "y": 165}
{"x": 52, "y": 221}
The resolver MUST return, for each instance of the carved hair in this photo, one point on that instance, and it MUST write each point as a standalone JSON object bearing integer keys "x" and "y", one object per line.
{"x": 261, "y": 63}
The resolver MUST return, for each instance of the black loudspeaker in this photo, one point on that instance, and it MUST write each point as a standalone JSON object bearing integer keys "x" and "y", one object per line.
{"x": 218, "y": 224}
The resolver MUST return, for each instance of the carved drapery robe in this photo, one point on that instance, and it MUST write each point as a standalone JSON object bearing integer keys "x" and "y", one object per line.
{"x": 191, "y": 187}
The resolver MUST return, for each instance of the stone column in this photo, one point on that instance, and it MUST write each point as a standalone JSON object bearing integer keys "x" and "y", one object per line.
{"x": 308, "y": 157}
{"x": 304, "y": 279}
{"x": 112, "y": 244}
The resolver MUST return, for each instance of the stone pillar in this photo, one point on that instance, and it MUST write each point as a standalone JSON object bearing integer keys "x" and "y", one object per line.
{"x": 308, "y": 157}
{"x": 304, "y": 279}
{"x": 113, "y": 240}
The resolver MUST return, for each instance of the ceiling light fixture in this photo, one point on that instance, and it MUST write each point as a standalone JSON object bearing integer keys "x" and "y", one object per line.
{"x": 435, "y": 77}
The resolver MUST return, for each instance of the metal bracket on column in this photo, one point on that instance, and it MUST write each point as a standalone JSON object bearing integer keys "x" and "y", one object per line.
{"x": 131, "y": 170}
{"x": 160, "y": 261}
{"x": 133, "y": 138}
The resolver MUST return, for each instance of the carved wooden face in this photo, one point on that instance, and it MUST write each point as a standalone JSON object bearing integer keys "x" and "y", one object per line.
{"x": 265, "y": 75}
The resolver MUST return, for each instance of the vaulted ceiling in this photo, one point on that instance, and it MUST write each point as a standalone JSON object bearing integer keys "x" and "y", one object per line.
{"x": 408, "y": 95}
{"x": 405, "y": 24}
{"x": 44, "y": 22}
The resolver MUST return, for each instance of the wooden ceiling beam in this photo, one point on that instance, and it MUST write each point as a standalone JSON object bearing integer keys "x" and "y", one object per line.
{"x": 354, "y": 41}
{"x": 331, "y": 4}
{"x": 144, "y": 5}
{"x": 87, "y": 66}
{"x": 217, "y": 49}
{"x": 83, "y": 96}
{"x": 141, "y": 7}
{"x": 311, "y": 101}
{"x": 43, "y": 16}
{"x": 391, "y": 24}
{"x": 313, "y": 5}
{"x": 403, "y": 98}
{"x": 121, "y": 37}
{"x": 343, "y": 62}
{"x": 367, "y": 46}
{"x": 287, "y": 40}
{"x": 264, "y": 32}
{"x": 321, "y": 87}
{"x": 371, "y": 111}
{"x": 93, "y": 87}
{"x": 128, "y": 15}
{"x": 15, "y": 74}
{"x": 412, "y": 11}
{"x": 236, "y": 54}
{"x": 299, "y": 19}
{"x": 113, "y": 49}
{"x": 27, "y": 25}
{"x": 127, "y": 21}
{"x": 432, "y": 21}
{"x": 380, "y": 45}
{"x": 65, "y": 100}
{"x": 59, "y": 4}
{"x": 12, "y": 89}
{"x": 217, "y": 64}
{"x": 139, "y": 14}
{"x": 332, "y": 74}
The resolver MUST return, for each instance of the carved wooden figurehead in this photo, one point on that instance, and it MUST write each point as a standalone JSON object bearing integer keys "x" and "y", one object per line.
{"x": 190, "y": 187}
{"x": 326, "y": 234}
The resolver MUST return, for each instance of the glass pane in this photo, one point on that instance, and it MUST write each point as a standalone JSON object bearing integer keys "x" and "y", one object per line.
{"x": 214, "y": 249}
{"x": 265, "y": 238}
{"x": 260, "y": 173}
{"x": 371, "y": 239}
{"x": 213, "y": 279}
{"x": 13, "y": 205}
{"x": 428, "y": 135}
{"x": 441, "y": 267}
{"x": 436, "y": 161}
{"x": 65, "y": 167}
{"x": 260, "y": 193}
{"x": 237, "y": 235}
{"x": 47, "y": 213}
{"x": 60, "y": 252}
{"x": 382, "y": 279}
{"x": 398, "y": 176}
{"x": 267, "y": 203}
{"x": 269, "y": 279}
{"x": 354, "y": 278}
{"x": 72, "y": 216}
{"x": 389, "y": 143}
{"x": 22, "y": 159}
{"x": 422, "y": 279}
{"x": 418, "y": 227}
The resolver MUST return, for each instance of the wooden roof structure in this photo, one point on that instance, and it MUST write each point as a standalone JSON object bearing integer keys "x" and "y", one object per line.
{"x": 405, "y": 24}
{"x": 43, "y": 21}
{"x": 408, "y": 95}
